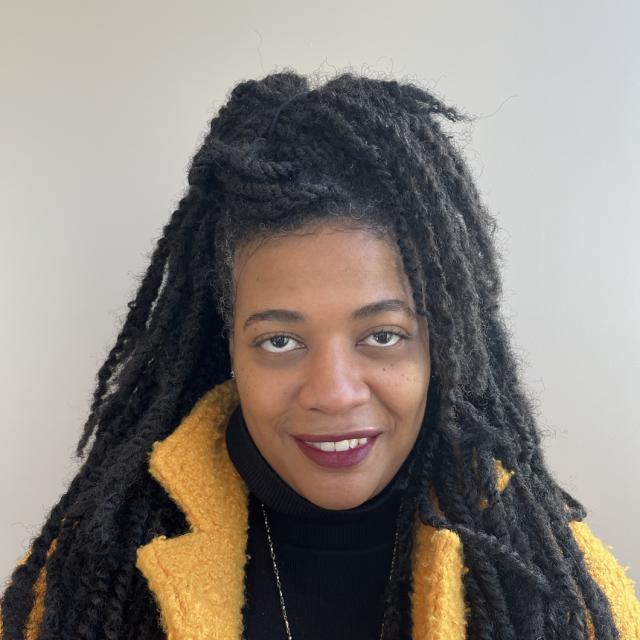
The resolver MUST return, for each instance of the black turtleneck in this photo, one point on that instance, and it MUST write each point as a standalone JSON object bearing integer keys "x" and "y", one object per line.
{"x": 333, "y": 564}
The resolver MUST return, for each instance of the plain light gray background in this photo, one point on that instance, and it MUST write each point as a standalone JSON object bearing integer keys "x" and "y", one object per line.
{"x": 103, "y": 106}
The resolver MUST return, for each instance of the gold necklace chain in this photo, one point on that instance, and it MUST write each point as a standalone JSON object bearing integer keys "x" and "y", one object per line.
{"x": 279, "y": 585}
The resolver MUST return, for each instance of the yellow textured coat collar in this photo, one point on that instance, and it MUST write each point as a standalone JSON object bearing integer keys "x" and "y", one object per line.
{"x": 198, "y": 578}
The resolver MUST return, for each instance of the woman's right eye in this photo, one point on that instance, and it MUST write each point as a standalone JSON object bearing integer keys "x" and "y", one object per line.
{"x": 276, "y": 341}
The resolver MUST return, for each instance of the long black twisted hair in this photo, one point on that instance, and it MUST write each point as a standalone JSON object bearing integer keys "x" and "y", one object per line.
{"x": 282, "y": 155}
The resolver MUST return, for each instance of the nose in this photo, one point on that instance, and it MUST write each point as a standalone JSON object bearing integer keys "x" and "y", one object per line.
{"x": 333, "y": 381}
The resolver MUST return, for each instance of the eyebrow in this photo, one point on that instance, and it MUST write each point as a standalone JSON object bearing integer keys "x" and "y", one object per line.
{"x": 286, "y": 315}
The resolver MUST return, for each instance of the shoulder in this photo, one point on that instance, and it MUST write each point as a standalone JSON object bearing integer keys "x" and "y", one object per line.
{"x": 611, "y": 577}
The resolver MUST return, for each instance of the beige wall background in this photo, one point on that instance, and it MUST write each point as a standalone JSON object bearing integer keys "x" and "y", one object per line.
{"x": 103, "y": 104}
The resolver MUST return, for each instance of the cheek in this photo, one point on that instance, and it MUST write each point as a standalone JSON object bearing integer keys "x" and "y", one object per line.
{"x": 408, "y": 401}
{"x": 259, "y": 399}
{"x": 265, "y": 411}
{"x": 405, "y": 388}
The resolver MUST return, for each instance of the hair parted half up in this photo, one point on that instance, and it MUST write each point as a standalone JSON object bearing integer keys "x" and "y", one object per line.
{"x": 280, "y": 157}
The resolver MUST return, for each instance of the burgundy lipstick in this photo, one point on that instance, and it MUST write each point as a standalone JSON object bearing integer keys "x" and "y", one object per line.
{"x": 338, "y": 450}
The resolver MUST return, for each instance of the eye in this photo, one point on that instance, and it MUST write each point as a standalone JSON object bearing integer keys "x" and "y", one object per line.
{"x": 387, "y": 335}
{"x": 277, "y": 341}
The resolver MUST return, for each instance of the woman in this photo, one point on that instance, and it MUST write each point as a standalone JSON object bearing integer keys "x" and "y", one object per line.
{"x": 311, "y": 424}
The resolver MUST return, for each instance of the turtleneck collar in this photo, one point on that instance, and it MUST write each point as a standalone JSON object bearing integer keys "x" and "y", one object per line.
{"x": 298, "y": 521}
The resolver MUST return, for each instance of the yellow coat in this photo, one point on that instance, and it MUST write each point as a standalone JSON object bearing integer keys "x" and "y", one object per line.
{"x": 197, "y": 578}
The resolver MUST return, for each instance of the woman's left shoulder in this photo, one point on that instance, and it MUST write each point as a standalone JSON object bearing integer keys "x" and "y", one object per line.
{"x": 612, "y": 579}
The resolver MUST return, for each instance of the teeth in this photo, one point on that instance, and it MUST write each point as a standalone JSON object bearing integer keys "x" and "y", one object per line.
{"x": 341, "y": 445}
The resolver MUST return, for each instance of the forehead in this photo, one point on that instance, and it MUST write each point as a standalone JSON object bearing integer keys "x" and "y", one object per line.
{"x": 328, "y": 265}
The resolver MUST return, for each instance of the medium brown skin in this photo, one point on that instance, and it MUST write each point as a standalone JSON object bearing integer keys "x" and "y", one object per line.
{"x": 329, "y": 373}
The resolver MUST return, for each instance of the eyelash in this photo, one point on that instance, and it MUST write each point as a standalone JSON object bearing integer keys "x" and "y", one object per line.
{"x": 402, "y": 336}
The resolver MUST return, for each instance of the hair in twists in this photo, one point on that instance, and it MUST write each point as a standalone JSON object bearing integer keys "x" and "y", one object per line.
{"x": 280, "y": 157}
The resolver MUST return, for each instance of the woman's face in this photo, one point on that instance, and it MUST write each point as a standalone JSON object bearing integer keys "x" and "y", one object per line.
{"x": 332, "y": 382}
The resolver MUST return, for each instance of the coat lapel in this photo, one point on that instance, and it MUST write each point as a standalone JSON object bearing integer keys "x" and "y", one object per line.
{"x": 437, "y": 603}
{"x": 197, "y": 578}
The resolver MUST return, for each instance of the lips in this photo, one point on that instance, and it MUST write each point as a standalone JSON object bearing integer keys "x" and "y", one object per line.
{"x": 337, "y": 451}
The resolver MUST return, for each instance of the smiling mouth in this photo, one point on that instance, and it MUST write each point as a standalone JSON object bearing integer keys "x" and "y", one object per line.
{"x": 337, "y": 453}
